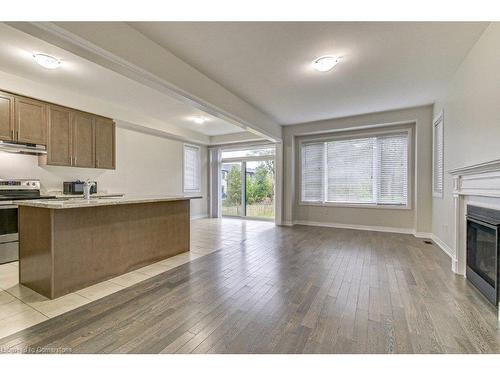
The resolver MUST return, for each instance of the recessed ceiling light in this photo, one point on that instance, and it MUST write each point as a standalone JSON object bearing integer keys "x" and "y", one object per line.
{"x": 198, "y": 119}
{"x": 325, "y": 63}
{"x": 47, "y": 61}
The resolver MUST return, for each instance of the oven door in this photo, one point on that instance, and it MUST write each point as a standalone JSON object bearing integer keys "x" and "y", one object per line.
{"x": 9, "y": 237}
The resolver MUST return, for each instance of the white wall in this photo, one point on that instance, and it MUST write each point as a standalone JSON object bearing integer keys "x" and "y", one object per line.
{"x": 471, "y": 121}
{"x": 145, "y": 164}
{"x": 417, "y": 219}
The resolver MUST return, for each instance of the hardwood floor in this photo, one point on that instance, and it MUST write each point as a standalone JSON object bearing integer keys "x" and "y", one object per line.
{"x": 284, "y": 290}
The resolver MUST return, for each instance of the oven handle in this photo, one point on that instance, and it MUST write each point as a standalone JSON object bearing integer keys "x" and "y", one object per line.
{"x": 480, "y": 222}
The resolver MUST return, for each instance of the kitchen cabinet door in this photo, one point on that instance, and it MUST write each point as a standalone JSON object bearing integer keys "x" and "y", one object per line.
{"x": 6, "y": 117}
{"x": 83, "y": 140}
{"x": 59, "y": 148}
{"x": 30, "y": 121}
{"x": 104, "y": 143}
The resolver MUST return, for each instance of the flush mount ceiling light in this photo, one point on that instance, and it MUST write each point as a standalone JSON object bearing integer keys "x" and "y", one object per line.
{"x": 198, "y": 119}
{"x": 47, "y": 61}
{"x": 326, "y": 63}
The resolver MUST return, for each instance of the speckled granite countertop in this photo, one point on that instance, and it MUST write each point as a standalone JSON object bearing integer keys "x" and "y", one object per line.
{"x": 100, "y": 194}
{"x": 63, "y": 203}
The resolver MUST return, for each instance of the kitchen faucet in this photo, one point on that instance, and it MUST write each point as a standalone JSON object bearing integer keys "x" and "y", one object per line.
{"x": 87, "y": 185}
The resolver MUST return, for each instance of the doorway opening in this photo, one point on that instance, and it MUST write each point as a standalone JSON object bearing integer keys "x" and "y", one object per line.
{"x": 247, "y": 183}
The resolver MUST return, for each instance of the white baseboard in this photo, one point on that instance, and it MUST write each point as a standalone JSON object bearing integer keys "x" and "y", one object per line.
{"x": 356, "y": 227}
{"x": 443, "y": 246}
{"x": 446, "y": 249}
{"x": 195, "y": 217}
{"x": 454, "y": 267}
{"x": 423, "y": 235}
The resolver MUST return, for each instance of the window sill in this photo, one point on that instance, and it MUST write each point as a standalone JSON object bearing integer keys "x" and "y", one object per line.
{"x": 357, "y": 205}
{"x": 192, "y": 192}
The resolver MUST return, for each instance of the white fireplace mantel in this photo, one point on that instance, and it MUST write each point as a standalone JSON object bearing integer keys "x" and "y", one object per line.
{"x": 477, "y": 184}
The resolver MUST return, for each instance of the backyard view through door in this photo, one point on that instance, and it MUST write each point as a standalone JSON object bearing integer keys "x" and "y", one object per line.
{"x": 247, "y": 188}
{"x": 231, "y": 189}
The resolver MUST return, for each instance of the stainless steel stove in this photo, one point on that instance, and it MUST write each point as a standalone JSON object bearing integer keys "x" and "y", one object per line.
{"x": 10, "y": 192}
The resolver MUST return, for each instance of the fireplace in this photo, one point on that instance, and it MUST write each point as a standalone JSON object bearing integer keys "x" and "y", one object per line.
{"x": 482, "y": 250}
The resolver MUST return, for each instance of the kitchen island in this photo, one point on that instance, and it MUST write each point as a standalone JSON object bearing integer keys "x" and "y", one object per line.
{"x": 67, "y": 245}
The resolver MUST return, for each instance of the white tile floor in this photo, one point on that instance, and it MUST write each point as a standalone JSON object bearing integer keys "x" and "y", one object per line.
{"x": 21, "y": 307}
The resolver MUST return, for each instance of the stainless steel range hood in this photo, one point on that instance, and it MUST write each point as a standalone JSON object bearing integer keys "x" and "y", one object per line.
{"x": 23, "y": 148}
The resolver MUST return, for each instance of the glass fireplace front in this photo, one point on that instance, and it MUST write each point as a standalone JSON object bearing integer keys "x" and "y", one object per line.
{"x": 482, "y": 250}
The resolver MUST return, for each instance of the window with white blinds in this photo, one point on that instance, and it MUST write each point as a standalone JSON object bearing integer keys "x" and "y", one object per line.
{"x": 370, "y": 170}
{"x": 313, "y": 155}
{"x": 437, "y": 157}
{"x": 192, "y": 169}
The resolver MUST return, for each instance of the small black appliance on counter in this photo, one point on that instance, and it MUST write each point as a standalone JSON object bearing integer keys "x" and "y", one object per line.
{"x": 76, "y": 187}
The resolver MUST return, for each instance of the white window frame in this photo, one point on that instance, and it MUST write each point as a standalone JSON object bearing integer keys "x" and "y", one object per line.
{"x": 409, "y": 170}
{"x": 437, "y": 191}
{"x": 198, "y": 190}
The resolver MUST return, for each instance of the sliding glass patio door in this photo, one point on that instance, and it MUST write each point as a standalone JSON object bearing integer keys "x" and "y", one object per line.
{"x": 259, "y": 189}
{"x": 231, "y": 189}
{"x": 247, "y": 184}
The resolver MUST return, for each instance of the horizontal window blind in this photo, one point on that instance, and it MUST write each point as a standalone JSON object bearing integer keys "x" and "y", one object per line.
{"x": 365, "y": 170}
{"x": 312, "y": 171}
{"x": 392, "y": 178}
{"x": 191, "y": 169}
{"x": 350, "y": 171}
{"x": 437, "y": 158}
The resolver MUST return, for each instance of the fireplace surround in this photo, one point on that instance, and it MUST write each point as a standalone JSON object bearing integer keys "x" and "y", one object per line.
{"x": 475, "y": 185}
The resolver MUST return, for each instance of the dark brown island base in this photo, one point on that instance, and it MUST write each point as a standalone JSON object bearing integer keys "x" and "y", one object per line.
{"x": 65, "y": 246}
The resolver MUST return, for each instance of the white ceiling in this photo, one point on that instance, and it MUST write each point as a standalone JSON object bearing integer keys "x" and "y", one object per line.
{"x": 385, "y": 65}
{"x": 89, "y": 79}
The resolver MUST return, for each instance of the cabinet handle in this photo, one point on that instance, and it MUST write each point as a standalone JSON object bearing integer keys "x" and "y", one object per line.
{"x": 71, "y": 160}
{"x": 13, "y": 135}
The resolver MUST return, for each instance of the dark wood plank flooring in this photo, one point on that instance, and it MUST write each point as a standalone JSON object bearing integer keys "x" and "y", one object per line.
{"x": 274, "y": 289}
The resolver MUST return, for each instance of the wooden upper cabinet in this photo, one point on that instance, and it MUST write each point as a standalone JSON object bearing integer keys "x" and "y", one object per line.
{"x": 73, "y": 138}
{"x": 6, "y": 117}
{"x": 104, "y": 143}
{"x": 59, "y": 147}
{"x": 83, "y": 140}
{"x": 30, "y": 121}
{"x": 79, "y": 139}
